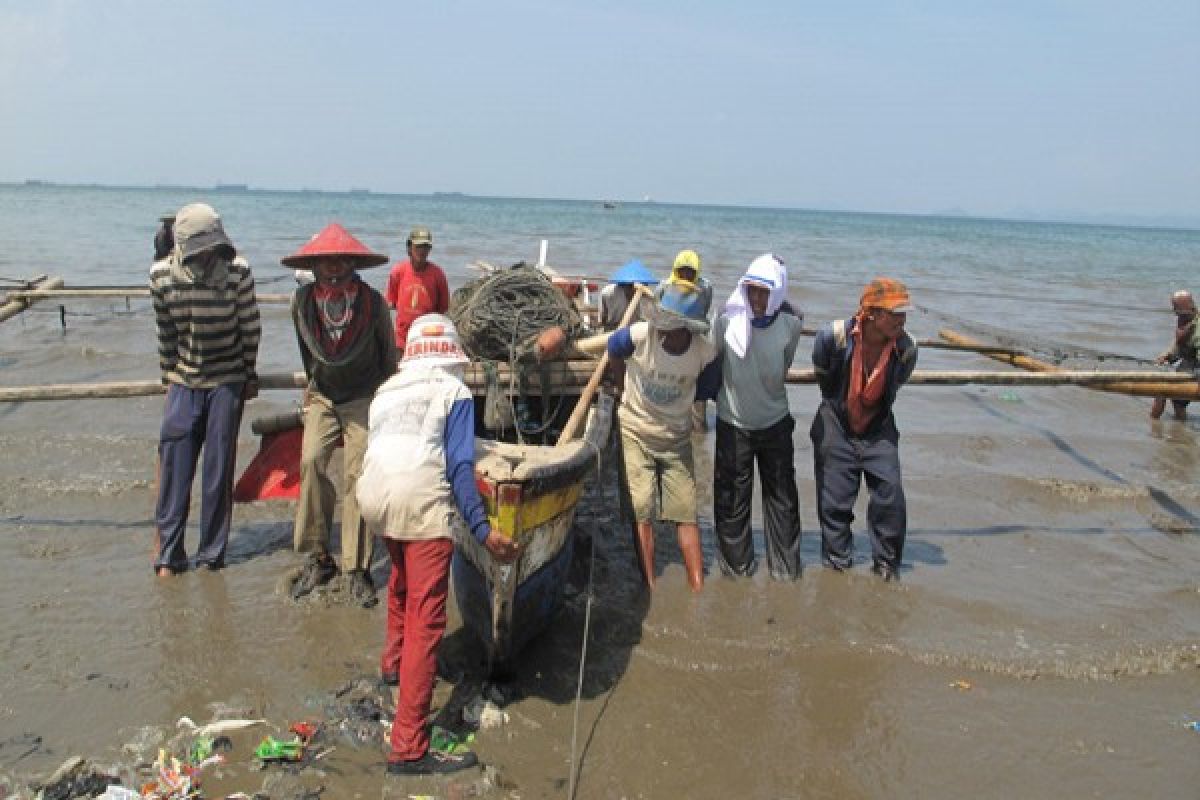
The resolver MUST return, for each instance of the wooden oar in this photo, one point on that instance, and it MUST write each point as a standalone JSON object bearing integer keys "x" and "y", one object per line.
{"x": 1167, "y": 386}
{"x": 574, "y": 425}
{"x": 16, "y": 302}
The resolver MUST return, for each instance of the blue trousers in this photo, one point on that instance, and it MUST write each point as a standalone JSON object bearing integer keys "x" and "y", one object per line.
{"x": 196, "y": 419}
{"x": 841, "y": 463}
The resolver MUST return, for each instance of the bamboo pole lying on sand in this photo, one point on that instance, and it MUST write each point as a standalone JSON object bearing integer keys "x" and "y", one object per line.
{"x": 16, "y": 301}
{"x": 1167, "y": 386}
{"x": 575, "y": 375}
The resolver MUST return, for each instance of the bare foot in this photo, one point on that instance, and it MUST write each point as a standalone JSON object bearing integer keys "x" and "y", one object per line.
{"x": 165, "y": 572}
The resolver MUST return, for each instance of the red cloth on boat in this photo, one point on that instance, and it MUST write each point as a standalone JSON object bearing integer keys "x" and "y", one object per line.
{"x": 416, "y": 620}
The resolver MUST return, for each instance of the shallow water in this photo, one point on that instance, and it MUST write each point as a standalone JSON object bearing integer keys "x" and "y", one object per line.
{"x": 1052, "y": 565}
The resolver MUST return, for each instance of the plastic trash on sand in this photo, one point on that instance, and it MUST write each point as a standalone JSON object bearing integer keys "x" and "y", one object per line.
{"x": 272, "y": 749}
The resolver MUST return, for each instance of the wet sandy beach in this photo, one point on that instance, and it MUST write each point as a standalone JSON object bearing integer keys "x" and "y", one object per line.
{"x": 1043, "y": 642}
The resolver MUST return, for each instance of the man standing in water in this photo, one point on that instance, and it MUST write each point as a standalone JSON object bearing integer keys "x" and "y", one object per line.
{"x": 418, "y": 492}
{"x": 861, "y": 363}
{"x": 345, "y": 338}
{"x": 1184, "y": 350}
{"x": 206, "y": 314}
{"x": 416, "y": 286}
{"x": 664, "y": 357}
{"x": 757, "y": 340}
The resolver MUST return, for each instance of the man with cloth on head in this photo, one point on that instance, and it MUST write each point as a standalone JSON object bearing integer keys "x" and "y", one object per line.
{"x": 206, "y": 314}
{"x": 686, "y": 271}
{"x": 345, "y": 338}
{"x": 1184, "y": 350}
{"x": 615, "y": 298}
{"x": 861, "y": 363}
{"x": 664, "y": 358}
{"x": 757, "y": 340}
{"x": 418, "y": 492}
{"x": 416, "y": 286}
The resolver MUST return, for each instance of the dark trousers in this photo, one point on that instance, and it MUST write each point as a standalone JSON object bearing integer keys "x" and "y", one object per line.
{"x": 196, "y": 419}
{"x": 841, "y": 462}
{"x": 733, "y": 488}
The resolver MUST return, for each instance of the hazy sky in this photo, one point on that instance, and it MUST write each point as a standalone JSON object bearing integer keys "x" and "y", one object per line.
{"x": 1002, "y": 108}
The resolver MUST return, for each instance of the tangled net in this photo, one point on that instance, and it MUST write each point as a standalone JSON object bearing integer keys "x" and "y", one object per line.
{"x": 499, "y": 315}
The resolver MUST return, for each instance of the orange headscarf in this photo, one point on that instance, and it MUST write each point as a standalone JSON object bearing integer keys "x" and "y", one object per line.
{"x": 866, "y": 391}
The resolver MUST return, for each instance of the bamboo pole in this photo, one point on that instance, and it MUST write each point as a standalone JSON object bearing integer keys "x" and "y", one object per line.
{"x": 1168, "y": 386}
{"x": 565, "y": 376}
{"x": 45, "y": 293}
{"x": 1057, "y": 378}
{"x": 15, "y": 303}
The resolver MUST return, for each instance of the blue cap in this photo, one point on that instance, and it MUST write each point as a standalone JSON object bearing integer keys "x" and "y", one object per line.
{"x": 634, "y": 272}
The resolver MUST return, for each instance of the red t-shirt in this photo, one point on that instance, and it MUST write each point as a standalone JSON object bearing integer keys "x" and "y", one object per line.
{"x": 414, "y": 293}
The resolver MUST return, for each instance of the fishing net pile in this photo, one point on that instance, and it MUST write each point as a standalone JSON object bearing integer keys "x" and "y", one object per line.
{"x": 500, "y": 315}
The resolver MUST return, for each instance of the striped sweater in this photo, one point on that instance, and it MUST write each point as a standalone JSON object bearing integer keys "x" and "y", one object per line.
{"x": 208, "y": 332}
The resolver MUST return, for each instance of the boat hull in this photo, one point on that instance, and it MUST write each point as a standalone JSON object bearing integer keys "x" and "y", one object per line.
{"x": 508, "y": 605}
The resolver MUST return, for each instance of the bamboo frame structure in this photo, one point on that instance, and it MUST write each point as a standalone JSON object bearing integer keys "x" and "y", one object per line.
{"x": 1168, "y": 384}
{"x": 569, "y": 375}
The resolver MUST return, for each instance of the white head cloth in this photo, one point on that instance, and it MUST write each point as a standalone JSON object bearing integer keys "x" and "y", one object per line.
{"x": 768, "y": 271}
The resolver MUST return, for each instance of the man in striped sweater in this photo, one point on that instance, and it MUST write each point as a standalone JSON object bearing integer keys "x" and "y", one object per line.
{"x": 206, "y": 313}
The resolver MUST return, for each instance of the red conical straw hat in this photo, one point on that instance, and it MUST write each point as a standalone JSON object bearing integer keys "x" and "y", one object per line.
{"x": 334, "y": 240}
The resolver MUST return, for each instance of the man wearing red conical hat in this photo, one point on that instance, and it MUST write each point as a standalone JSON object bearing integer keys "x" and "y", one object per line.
{"x": 345, "y": 335}
{"x": 416, "y": 286}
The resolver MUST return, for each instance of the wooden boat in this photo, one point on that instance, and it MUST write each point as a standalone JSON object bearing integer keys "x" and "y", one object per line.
{"x": 531, "y": 493}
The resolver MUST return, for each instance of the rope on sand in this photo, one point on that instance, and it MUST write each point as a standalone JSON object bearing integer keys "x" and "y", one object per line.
{"x": 587, "y": 625}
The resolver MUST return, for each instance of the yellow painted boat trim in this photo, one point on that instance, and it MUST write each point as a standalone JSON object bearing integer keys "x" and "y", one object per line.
{"x": 514, "y": 519}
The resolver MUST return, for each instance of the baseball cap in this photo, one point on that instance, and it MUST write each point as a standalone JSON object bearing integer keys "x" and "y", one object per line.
{"x": 420, "y": 236}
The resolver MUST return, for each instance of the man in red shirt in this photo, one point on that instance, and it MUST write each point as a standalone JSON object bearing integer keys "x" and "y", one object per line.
{"x": 416, "y": 286}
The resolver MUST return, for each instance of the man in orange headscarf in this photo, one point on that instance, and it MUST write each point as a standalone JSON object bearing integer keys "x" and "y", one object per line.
{"x": 861, "y": 363}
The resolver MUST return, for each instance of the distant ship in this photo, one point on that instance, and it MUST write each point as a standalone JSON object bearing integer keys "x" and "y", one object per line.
{"x": 231, "y": 187}
{"x": 609, "y": 204}
{"x": 360, "y": 191}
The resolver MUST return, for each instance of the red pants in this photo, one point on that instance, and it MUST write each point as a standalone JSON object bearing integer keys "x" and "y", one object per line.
{"x": 416, "y": 620}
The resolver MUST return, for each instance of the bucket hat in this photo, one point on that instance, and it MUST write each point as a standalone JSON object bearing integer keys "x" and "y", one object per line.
{"x": 334, "y": 241}
{"x": 632, "y": 272}
{"x": 433, "y": 341}
{"x": 198, "y": 229}
{"x": 681, "y": 305}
